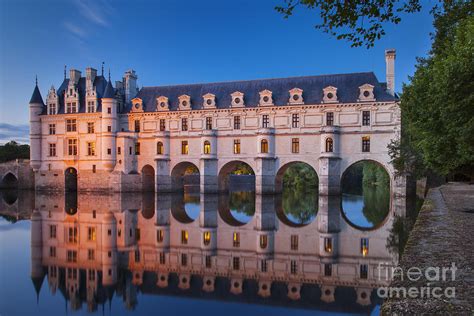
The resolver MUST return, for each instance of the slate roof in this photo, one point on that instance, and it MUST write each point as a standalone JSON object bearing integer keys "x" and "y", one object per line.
{"x": 347, "y": 90}
{"x": 36, "y": 96}
{"x": 109, "y": 91}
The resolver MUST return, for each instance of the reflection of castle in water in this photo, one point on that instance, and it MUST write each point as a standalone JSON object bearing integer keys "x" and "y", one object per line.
{"x": 129, "y": 243}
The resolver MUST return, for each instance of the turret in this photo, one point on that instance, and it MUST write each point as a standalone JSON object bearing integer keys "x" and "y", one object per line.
{"x": 36, "y": 108}
{"x": 37, "y": 272}
{"x": 109, "y": 127}
{"x": 390, "y": 55}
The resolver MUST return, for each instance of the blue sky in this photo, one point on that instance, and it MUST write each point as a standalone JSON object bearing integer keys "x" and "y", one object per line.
{"x": 173, "y": 42}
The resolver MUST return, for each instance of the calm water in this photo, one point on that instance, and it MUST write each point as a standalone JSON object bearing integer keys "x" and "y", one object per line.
{"x": 232, "y": 254}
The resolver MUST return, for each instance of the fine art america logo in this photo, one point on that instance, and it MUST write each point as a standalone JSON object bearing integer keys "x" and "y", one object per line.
{"x": 426, "y": 282}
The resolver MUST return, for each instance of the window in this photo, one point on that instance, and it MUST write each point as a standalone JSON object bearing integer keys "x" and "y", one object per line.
{"x": 71, "y": 256}
{"x": 90, "y": 106}
{"x": 71, "y": 107}
{"x": 329, "y": 118}
{"x": 70, "y": 125}
{"x": 119, "y": 150}
{"x": 52, "y": 150}
{"x": 109, "y": 232}
{"x": 90, "y": 254}
{"x": 184, "y": 124}
{"x": 294, "y": 242}
{"x": 52, "y": 252}
{"x": 206, "y": 238}
{"x": 184, "y": 147}
{"x": 184, "y": 259}
{"x": 208, "y": 262}
{"x": 236, "y": 146}
{"x": 327, "y": 269}
{"x": 184, "y": 237}
{"x": 208, "y": 123}
{"x": 94, "y": 168}
{"x": 72, "y": 235}
{"x": 295, "y": 120}
{"x": 236, "y": 122}
{"x": 52, "y": 108}
{"x": 365, "y": 144}
{"x": 159, "y": 148}
{"x": 130, "y": 150}
{"x": 364, "y": 271}
{"x": 364, "y": 246}
{"x": 52, "y": 231}
{"x": 236, "y": 239}
{"x": 91, "y": 234}
{"x": 162, "y": 258}
{"x": 328, "y": 245}
{"x": 236, "y": 263}
{"x": 137, "y": 255}
{"x": 72, "y": 147}
{"x": 109, "y": 110}
{"x": 137, "y": 234}
{"x": 162, "y": 125}
{"x": 264, "y": 146}
{"x": 137, "y": 148}
{"x": 263, "y": 241}
{"x": 90, "y": 128}
{"x": 109, "y": 151}
{"x": 295, "y": 145}
{"x": 91, "y": 275}
{"x": 52, "y": 129}
{"x": 265, "y": 121}
{"x": 263, "y": 265}
{"x": 207, "y": 147}
{"x": 294, "y": 266}
{"x": 159, "y": 236}
{"x": 366, "y": 118}
{"x": 137, "y": 126}
{"x": 109, "y": 129}
{"x": 91, "y": 149}
{"x": 329, "y": 145}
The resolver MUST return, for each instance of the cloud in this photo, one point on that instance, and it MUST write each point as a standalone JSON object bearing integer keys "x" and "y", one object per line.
{"x": 76, "y": 30}
{"x": 95, "y": 11}
{"x": 19, "y": 133}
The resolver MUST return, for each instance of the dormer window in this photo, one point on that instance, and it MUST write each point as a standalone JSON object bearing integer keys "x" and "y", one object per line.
{"x": 296, "y": 96}
{"x": 52, "y": 101}
{"x": 137, "y": 105}
{"x": 366, "y": 92}
{"x": 52, "y": 108}
{"x": 209, "y": 100}
{"x": 330, "y": 94}
{"x": 184, "y": 102}
{"x": 266, "y": 98}
{"x": 162, "y": 103}
{"x": 237, "y": 99}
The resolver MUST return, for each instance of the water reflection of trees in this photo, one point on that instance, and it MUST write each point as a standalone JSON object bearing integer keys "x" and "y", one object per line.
{"x": 242, "y": 202}
{"x": 300, "y": 205}
{"x": 376, "y": 203}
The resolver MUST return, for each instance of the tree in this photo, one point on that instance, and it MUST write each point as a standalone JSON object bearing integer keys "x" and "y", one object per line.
{"x": 359, "y": 21}
{"x": 12, "y": 150}
{"x": 438, "y": 103}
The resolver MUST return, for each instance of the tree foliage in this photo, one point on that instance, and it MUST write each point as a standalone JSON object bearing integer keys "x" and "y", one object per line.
{"x": 361, "y": 22}
{"x": 12, "y": 150}
{"x": 300, "y": 176}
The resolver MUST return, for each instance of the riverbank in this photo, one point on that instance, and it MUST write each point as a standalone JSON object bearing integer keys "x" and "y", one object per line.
{"x": 442, "y": 235}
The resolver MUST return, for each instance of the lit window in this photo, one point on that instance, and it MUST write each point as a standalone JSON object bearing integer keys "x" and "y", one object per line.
{"x": 207, "y": 147}
{"x": 91, "y": 234}
{"x": 364, "y": 246}
{"x": 184, "y": 147}
{"x": 91, "y": 149}
{"x": 72, "y": 235}
{"x": 207, "y": 238}
{"x": 329, "y": 118}
{"x": 184, "y": 237}
{"x": 236, "y": 239}
{"x": 366, "y": 144}
{"x": 366, "y": 118}
{"x": 159, "y": 148}
{"x": 263, "y": 241}
{"x": 236, "y": 146}
{"x": 264, "y": 146}
{"x": 236, "y": 122}
{"x": 328, "y": 245}
{"x": 295, "y": 120}
{"x": 295, "y": 145}
{"x": 159, "y": 236}
{"x": 329, "y": 145}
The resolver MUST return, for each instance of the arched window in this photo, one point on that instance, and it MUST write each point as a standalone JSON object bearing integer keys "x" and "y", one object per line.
{"x": 207, "y": 238}
{"x": 159, "y": 148}
{"x": 207, "y": 147}
{"x": 264, "y": 146}
{"x": 329, "y": 145}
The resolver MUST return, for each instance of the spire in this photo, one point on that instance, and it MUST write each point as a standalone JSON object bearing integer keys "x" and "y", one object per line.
{"x": 36, "y": 96}
{"x": 37, "y": 283}
{"x": 109, "y": 90}
{"x": 109, "y": 74}
{"x": 102, "y": 69}
{"x": 65, "y": 71}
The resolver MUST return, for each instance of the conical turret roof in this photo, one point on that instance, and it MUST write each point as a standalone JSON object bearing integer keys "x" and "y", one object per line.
{"x": 36, "y": 97}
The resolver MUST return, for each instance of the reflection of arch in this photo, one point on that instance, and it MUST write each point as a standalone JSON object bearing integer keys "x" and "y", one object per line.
{"x": 184, "y": 174}
{"x": 282, "y": 217}
{"x": 148, "y": 178}
{"x": 384, "y": 167}
{"x": 10, "y": 196}
{"x": 178, "y": 208}
{"x": 284, "y": 168}
{"x": 9, "y": 181}
{"x": 224, "y": 209}
{"x": 148, "y": 205}
{"x": 70, "y": 179}
{"x": 230, "y": 168}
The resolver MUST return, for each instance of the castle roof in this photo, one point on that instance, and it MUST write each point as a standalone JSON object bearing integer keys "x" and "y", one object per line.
{"x": 347, "y": 90}
{"x": 36, "y": 96}
{"x": 109, "y": 91}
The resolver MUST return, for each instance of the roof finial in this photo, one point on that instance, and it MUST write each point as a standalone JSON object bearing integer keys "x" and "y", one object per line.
{"x": 102, "y": 69}
{"x": 65, "y": 71}
{"x": 109, "y": 74}
{"x": 36, "y": 80}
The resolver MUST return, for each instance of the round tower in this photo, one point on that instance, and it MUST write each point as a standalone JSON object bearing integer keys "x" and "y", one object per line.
{"x": 37, "y": 272}
{"x": 36, "y": 108}
{"x": 109, "y": 127}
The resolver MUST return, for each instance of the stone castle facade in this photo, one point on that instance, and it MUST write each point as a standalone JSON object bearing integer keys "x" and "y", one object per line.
{"x": 91, "y": 136}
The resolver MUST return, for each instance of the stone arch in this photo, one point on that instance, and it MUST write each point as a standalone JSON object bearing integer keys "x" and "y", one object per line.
{"x": 181, "y": 176}
{"x": 351, "y": 163}
{"x": 224, "y": 176}
{"x": 70, "y": 179}
{"x": 284, "y": 168}
{"x": 148, "y": 178}
{"x": 9, "y": 181}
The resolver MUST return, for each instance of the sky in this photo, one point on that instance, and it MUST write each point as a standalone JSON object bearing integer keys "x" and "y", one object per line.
{"x": 177, "y": 42}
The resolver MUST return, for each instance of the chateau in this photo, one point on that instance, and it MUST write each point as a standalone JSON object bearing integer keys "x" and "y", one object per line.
{"x": 88, "y": 135}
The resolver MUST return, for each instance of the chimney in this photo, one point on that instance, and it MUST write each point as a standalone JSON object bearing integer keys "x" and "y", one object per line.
{"x": 390, "y": 55}
{"x": 130, "y": 83}
{"x": 91, "y": 73}
{"x": 74, "y": 75}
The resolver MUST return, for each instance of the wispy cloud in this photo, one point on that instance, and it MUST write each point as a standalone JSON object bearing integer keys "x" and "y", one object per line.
{"x": 19, "y": 133}
{"x": 76, "y": 30}
{"x": 95, "y": 11}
